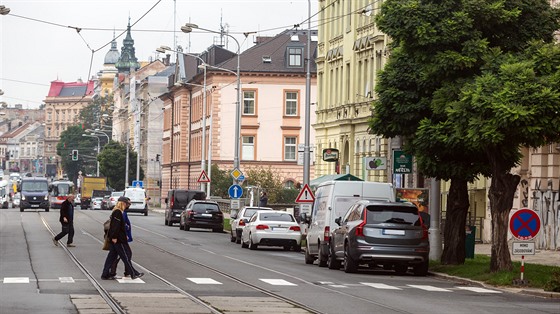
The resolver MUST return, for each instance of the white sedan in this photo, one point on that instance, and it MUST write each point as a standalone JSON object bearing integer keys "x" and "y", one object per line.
{"x": 96, "y": 202}
{"x": 272, "y": 228}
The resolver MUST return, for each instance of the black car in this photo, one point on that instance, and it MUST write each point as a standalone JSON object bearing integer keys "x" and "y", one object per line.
{"x": 177, "y": 200}
{"x": 202, "y": 214}
{"x": 392, "y": 235}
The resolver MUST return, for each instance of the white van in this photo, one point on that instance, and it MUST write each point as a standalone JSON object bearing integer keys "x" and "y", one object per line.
{"x": 332, "y": 200}
{"x": 138, "y": 200}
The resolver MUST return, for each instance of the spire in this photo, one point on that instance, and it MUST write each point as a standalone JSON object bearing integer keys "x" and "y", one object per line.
{"x": 127, "y": 59}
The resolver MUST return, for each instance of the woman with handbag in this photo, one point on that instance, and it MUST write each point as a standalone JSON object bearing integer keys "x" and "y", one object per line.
{"x": 119, "y": 247}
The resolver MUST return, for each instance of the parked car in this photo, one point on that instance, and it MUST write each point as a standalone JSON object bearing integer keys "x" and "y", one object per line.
{"x": 202, "y": 214}
{"x": 176, "y": 201}
{"x": 105, "y": 202}
{"x": 237, "y": 223}
{"x": 271, "y": 228}
{"x": 390, "y": 234}
{"x": 96, "y": 203}
{"x": 114, "y": 198}
{"x": 78, "y": 200}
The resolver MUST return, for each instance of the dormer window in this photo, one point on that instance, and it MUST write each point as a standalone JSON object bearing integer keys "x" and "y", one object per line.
{"x": 267, "y": 59}
{"x": 295, "y": 57}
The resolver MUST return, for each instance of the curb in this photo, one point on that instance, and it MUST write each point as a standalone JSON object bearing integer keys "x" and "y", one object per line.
{"x": 527, "y": 291}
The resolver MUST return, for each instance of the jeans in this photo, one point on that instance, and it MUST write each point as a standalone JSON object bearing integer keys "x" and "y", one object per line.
{"x": 67, "y": 229}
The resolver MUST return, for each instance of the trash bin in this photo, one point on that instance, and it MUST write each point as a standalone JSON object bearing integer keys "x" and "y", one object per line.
{"x": 469, "y": 241}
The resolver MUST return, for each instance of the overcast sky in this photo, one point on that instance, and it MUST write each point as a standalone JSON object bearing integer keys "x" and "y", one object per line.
{"x": 39, "y": 42}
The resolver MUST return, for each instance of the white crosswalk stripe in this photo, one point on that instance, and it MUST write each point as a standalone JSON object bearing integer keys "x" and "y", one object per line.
{"x": 278, "y": 282}
{"x": 429, "y": 288}
{"x": 380, "y": 286}
{"x": 478, "y": 289}
{"x": 16, "y": 280}
{"x": 204, "y": 281}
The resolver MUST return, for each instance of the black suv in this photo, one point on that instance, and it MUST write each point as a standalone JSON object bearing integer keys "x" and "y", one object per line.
{"x": 176, "y": 201}
{"x": 202, "y": 214}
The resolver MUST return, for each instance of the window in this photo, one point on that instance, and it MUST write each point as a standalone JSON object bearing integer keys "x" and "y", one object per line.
{"x": 291, "y": 108}
{"x": 289, "y": 184}
{"x": 289, "y": 148}
{"x": 249, "y": 102}
{"x": 248, "y": 150}
{"x": 295, "y": 57}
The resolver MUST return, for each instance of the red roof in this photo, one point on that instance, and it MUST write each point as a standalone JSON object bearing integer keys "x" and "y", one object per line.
{"x": 57, "y": 86}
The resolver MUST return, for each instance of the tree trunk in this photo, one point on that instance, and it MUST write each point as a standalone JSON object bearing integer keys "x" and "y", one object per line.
{"x": 455, "y": 222}
{"x": 501, "y": 195}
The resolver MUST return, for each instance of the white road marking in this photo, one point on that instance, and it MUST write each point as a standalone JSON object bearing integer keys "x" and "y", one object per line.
{"x": 479, "y": 290}
{"x": 128, "y": 280}
{"x": 204, "y": 281}
{"x": 66, "y": 279}
{"x": 338, "y": 286}
{"x": 380, "y": 286}
{"x": 16, "y": 279}
{"x": 429, "y": 288}
{"x": 278, "y": 282}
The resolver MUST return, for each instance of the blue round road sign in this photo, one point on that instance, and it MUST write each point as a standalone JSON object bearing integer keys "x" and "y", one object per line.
{"x": 525, "y": 224}
{"x": 235, "y": 191}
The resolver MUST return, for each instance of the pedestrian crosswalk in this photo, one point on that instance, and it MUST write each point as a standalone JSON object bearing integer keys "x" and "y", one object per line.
{"x": 276, "y": 282}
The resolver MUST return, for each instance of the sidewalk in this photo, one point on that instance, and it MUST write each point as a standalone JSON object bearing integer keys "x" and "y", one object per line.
{"x": 543, "y": 257}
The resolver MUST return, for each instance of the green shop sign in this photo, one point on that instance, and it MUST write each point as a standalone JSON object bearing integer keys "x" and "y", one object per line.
{"x": 402, "y": 163}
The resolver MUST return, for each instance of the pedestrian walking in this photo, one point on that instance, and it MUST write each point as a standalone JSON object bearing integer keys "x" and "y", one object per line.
{"x": 128, "y": 226}
{"x": 119, "y": 247}
{"x": 264, "y": 200}
{"x": 67, "y": 221}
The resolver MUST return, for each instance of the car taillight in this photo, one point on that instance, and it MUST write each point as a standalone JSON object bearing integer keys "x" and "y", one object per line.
{"x": 262, "y": 227}
{"x": 425, "y": 233}
{"x": 295, "y": 228}
{"x": 172, "y": 202}
{"x": 241, "y": 223}
{"x": 190, "y": 213}
{"x": 327, "y": 234}
{"x": 360, "y": 229}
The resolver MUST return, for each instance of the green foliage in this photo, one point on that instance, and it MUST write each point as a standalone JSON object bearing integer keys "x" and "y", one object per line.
{"x": 112, "y": 164}
{"x": 95, "y": 111}
{"x": 221, "y": 181}
{"x": 268, "y": 180}
{"x": 71, "y": 139}
{"x": 554, "y": 283}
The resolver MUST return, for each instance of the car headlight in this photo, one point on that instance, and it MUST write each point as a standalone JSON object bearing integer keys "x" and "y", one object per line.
{"x": 46, "y": 198}
{"x": 23, "y": 197}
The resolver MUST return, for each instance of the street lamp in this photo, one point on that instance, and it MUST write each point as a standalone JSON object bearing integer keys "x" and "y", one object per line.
{"x": 187, "y": 28}
{"x": 98, "y": 148}
{"x": 203, "y": 145}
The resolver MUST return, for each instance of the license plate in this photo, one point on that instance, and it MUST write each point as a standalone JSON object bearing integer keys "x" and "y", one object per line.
{"x": 278, "y": 228}
{"x": 34, "y": 206}
{"x": 393, "y": 232}
{"x": 206, "y": 215}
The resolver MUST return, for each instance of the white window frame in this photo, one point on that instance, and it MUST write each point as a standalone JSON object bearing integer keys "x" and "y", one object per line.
{"x": 295, "y": 57}
{"x": 291, "y": 104}
{"x": 290, "y": 148}
{"x": 247, "y": 99}
{"x": 247, "y": 148}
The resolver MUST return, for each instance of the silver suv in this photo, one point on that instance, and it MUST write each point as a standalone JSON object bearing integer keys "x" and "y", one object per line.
{"x": 237, "y": 222}
{"x": 389, "y": 234}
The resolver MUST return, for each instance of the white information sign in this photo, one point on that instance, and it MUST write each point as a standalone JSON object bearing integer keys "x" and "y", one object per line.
{"x": 523, "y": 248}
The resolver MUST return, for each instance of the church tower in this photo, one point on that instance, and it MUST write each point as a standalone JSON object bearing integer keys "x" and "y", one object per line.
{"x": 127, "y": 59}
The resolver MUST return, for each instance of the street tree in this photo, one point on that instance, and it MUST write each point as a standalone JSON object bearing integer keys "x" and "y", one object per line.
{"x": 112, "y": 165}
{"x": 71, "y": 139}
{"x": 221, "y": 181}
{"x": 439, "y": 47}
{"x": 97, "y": 113}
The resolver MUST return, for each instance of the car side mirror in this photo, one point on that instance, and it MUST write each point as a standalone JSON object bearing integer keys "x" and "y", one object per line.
{"x": 338, "y": 220}
{"x": 233, "y": 215}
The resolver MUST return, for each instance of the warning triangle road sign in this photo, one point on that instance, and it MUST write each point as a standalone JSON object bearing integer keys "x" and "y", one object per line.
{"x": 305, "y": 195}
{"x": 203, "y": 178}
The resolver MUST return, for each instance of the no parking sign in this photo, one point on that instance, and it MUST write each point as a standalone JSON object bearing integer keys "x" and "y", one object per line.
{"x": 525, "y": 224}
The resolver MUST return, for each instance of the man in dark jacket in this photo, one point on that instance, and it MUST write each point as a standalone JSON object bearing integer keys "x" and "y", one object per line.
{"x": 67, "y": 221}
{"x": 119, "y": 244}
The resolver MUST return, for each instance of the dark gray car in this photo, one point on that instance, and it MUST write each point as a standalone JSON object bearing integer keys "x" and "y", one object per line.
{"x": 388, "y": 234}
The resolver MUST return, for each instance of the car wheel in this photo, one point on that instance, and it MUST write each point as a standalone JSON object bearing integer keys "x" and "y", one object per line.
{"x": 231, "y": 237}
{"x": 297, "y": 248}
{"x": 166, "y": 222}
{"x": 187, "y": 227}
{"x": 308, "y": 258}
{"x": 238, "y": 239}
{"x": 332, "y": 262}
{"x": 181, "y": 227}
{"x": 322, "y": 257}
{"x": 47, "y": 210}
{"x": 217, "y": 230}
{"x": 401, "y": 269}
{"x": 244, "y": 245}
{"x": 350, "y": 265}
{"x": 170, "y": 224}
{"x": 252, "y": 245}
{"x": 21, "y": 209}
{"x": 146, "y": 213}
{"x": 421, "y": 269}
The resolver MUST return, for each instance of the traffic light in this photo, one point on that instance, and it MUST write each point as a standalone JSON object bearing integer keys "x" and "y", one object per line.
{"x": 74, "y": 154}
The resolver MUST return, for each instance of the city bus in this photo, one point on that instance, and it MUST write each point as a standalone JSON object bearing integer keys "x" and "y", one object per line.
{"x": 59, "y": 191}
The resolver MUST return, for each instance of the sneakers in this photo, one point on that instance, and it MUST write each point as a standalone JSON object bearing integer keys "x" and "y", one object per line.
{"x": 139, "y": 275}
{"x": 70, "y": 245}
{"x": 55, "y": 242}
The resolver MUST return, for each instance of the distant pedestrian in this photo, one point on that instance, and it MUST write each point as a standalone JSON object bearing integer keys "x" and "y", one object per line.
{"x": 67, "y": 221}
{"x": 119, "y": 247}
{"x": 128, "y": 226}
{"x": 264, "y": 200}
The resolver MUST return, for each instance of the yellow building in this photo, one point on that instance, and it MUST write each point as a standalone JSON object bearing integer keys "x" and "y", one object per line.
{"x": 351, "y": 51}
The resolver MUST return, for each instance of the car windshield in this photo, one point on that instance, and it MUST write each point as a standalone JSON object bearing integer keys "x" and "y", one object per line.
{"x": 34, "y": 186}
{"x": 205, "y": 208}
{"x": 250, "y": 211}
{"x": 392, "y": 214}
{"x": 117, "y": 194}
{"x": 276, "y": 217}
